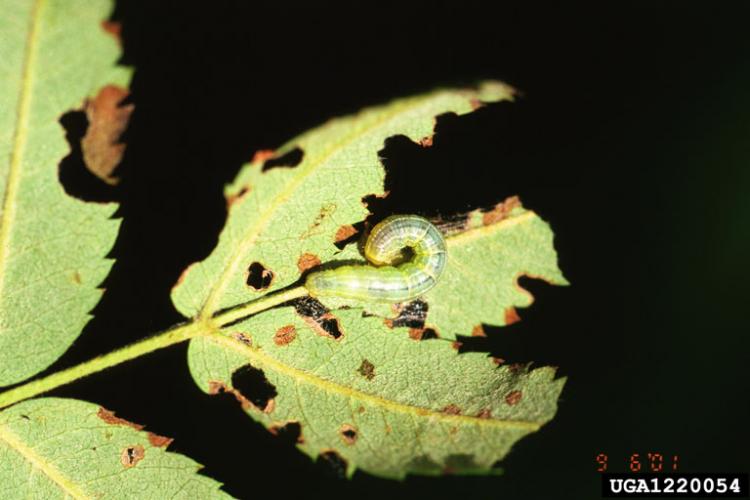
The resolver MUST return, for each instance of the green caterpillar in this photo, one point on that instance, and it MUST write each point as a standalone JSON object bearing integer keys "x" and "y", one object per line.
{"x": 391, "y": 277}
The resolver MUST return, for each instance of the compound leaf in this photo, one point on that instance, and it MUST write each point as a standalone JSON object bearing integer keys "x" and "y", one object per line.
{"x": 55, "y": 54}
{"x": 64, "y": 448}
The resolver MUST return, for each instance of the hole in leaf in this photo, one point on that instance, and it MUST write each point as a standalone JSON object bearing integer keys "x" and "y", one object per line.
{"x": 348, "y": 434}
{"x": 423, "y": 334}
{"x": 258, "y": 277}
{"x": 331, "y": 326}
{"x": 318, "y": 317}
{"x": 332, "y": 464}
{"x": 348, "y": 234}
{"x": 367, "y": 369}
{"x": 131, "y": 455}
{"x": 76, "y": 179}
{"x": 252, "y": 384}
{"x": 412, "y": 314}
{"x": 287, "y": 160}
{"x": 289, "y": 433}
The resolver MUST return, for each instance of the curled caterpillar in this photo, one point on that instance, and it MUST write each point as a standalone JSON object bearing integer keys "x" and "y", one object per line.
{"x": 406, "y": 253}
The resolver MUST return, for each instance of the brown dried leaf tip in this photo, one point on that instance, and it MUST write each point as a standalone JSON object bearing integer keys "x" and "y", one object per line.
{"x": 110, "y": 418}
{"x": 501, "y": 211}
{"x": 159, "y": 441}
{"x": 285, "y": 335}
{"x": 131, "y": 455}
{"x": 348, "y": 434}
{"x": 513, "y": 397}
{"x": 307, "y": 261}
{"x": 367, "y": 369}
{"x": 113, "y": 28}
{"x": 102, "y": 151}
{"x": 262, "y": 155}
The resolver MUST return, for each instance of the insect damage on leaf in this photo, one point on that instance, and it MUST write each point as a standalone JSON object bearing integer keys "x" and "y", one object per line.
{"x": 108, "y": 119}
{"x": 347, "y": 369}
{"x": 53, "y": 246}
{"x": 76, "y": 449}
{"x": 131, "y": 455}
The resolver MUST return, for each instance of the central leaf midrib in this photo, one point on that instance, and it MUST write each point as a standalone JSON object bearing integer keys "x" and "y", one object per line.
{"x": 263, "y": 359}
{"x": 19, "y": 138}
{"x": 64, "y": 482}
{"x": 209, "y": 308}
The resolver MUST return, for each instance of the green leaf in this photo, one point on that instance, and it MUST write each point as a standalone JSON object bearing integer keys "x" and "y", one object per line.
{"x": 63, "y": 448}
{"x": 488, "y": 252}
{"x": 379, "y": 400}
{"x": 361, "y": 389}
{"x": 282, "y": 218}
{"x": 52, "y": 246}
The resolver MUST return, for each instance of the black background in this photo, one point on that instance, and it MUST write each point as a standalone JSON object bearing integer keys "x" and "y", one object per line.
{"x": 631, "y": 140}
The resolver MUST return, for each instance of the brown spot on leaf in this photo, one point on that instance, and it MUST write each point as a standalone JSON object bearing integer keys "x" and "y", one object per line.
{"x": 513, "y": 397}
{"x": 307, "y": 261}
{"x": 511, "y": 316}
{"x": 456, "y": 345}
{"x": 344, "y": 233}
{"x": 478, "y": 331}
{"x": 101, "y": 146}
{"x": 131, "y": 455}
{"x": 516, "y": 367}
{"x": 452, "y": 409}
{"x": 367, "y": 369}
{"x": 284, "y": 335}
{"x": 245, "y": 339}
{"x": 76, "y": 278}
{"x": 423, "y": 333}
{"x": 159, "y": 441}
{"x": 238, "y": 196}
{"x": 486, "y": 413}
{"x": 110, "y": 418}
{"x": 325, "y": 211}
{"x": 113, "y": 28}
{"x": 348, "y": 434}
{"x": 497, "y": 361}
{"x": 475, "y": 103}
{"x": 262, "y": 155}
{"x": 258, "y": 277}
{"x": 426, "y": 142}
{"x": 361, "y": 409}
{"x": 501, "y": 211}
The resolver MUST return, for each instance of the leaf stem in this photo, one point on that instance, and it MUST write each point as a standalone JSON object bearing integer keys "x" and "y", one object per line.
{"x": 259, "y": 305}
{"x": 170, "y": 337}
